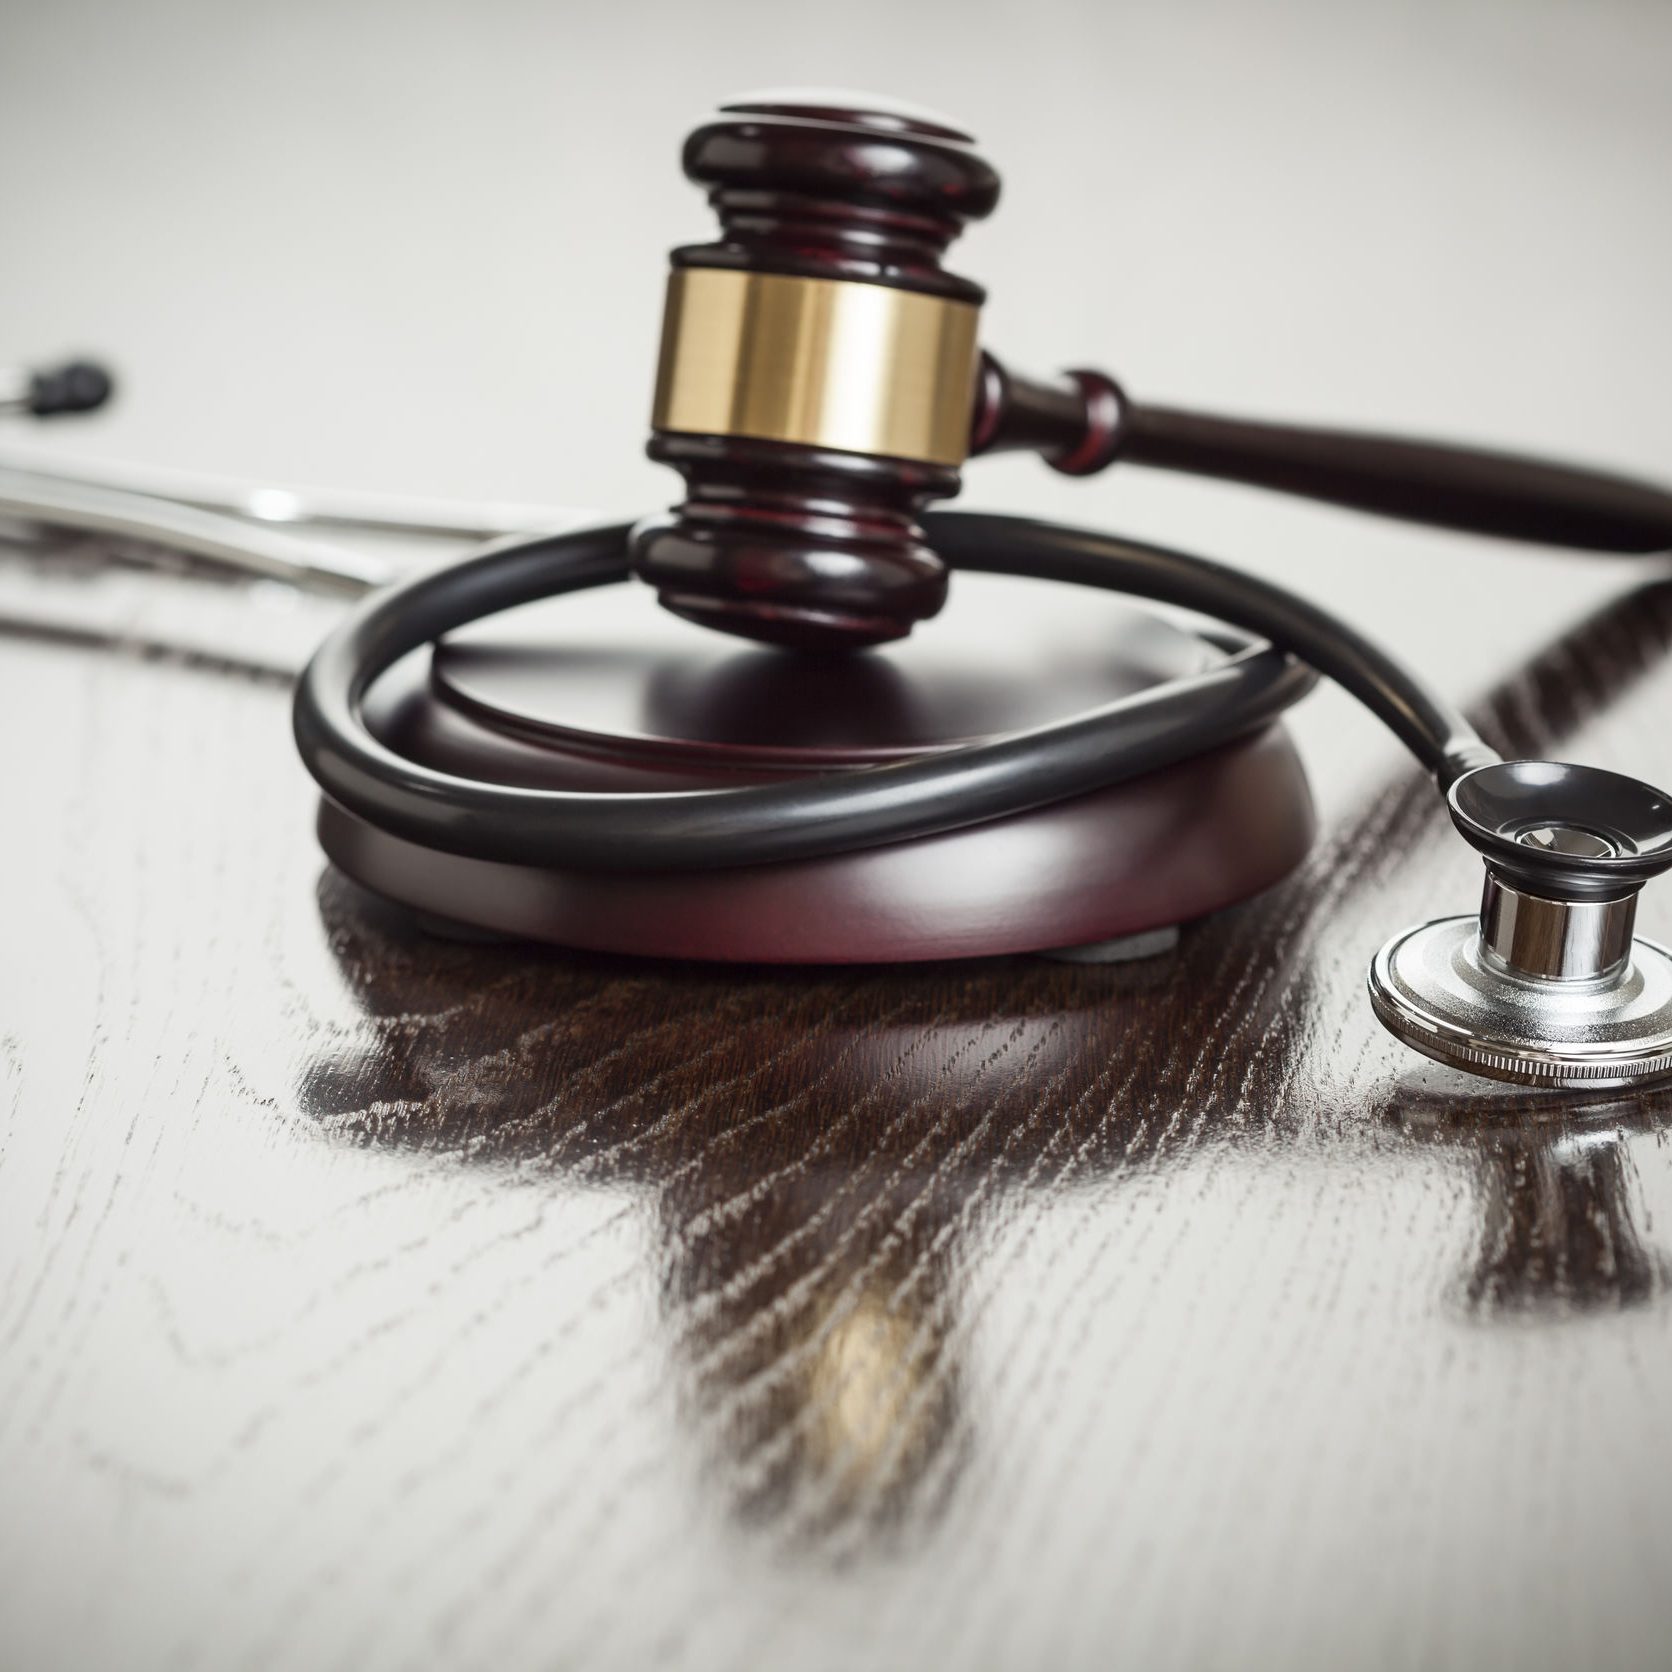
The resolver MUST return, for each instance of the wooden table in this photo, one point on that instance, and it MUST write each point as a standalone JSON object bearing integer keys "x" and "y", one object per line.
{"x": 372, "y": 1301}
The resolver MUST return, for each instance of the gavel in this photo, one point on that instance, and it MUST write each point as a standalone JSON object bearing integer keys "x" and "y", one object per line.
{"x": 821, "y": 382}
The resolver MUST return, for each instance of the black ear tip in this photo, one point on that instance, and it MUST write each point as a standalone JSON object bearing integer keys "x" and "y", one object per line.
{"x": 1565, "y": 827}
{"x": 77, "y": 386}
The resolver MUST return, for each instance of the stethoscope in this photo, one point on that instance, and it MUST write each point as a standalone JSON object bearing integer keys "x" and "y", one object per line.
{"x": 1546, "y": 985}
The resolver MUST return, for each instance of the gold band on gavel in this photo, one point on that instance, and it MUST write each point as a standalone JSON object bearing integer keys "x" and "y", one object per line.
{"x": 862, "y": 368}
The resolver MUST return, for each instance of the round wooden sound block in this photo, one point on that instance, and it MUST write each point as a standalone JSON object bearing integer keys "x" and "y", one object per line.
{"x": 605, "y": 691}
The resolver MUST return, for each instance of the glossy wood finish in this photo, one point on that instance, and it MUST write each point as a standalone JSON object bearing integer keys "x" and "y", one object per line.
{"x": 1086, "y": 422}
{"x": 797, "y": 546}
{"x": 373, "y": 1301}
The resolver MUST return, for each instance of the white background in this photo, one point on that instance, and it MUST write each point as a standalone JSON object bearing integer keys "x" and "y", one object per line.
{"x": 420, "y": 247}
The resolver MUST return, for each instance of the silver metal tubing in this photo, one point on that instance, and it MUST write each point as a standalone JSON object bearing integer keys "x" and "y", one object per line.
{"x": 441, "y": 519}
{"x": 225, "y": 542}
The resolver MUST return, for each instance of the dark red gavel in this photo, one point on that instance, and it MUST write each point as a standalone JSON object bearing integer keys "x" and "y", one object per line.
{"x": 821, "y": 382}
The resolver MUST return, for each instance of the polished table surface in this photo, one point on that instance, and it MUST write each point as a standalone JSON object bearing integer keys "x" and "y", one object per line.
{"x": 371, "y": 1301}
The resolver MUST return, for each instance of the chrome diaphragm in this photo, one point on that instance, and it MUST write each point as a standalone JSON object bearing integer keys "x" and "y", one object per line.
{"x": 1440, "y": 989}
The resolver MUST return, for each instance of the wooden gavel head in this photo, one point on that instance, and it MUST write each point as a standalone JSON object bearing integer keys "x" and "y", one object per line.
{"x": 818, "y": 374}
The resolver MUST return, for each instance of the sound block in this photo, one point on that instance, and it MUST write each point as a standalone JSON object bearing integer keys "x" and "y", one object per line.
{"x": 605, "y": 691}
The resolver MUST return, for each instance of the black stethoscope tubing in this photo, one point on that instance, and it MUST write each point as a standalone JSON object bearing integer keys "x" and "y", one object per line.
{"x": 1289, "y": 642}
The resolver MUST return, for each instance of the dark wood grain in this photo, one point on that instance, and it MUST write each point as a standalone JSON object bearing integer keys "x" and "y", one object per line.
{"x": 372, "y": 1301}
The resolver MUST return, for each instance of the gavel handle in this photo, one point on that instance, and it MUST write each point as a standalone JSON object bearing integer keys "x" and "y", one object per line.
{"x": 1087, "y": 423}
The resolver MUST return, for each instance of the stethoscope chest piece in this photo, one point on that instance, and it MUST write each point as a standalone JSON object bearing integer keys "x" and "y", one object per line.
{"x": 1548, "y": 985}
{"x": 1439, "y": 989}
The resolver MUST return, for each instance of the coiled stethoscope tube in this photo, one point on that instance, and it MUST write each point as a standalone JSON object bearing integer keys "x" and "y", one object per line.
{"x": 1547, "y": 987}
{"x": 842, "y": 811}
